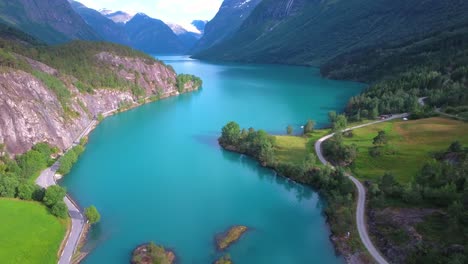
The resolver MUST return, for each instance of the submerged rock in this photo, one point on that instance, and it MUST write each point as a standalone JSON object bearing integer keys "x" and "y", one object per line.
{"x": 224, "y": 260}
{"x": 223, "y": 241}
{"x": 151, "y": 253}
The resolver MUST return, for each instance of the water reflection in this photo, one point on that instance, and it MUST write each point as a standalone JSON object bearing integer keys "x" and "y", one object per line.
{"x": 301, "y": 192}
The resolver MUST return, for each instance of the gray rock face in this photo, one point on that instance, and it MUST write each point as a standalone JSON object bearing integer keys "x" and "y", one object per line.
{"x": 31, "y": 113}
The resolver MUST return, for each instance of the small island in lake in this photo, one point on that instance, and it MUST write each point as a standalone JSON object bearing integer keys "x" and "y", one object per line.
{"x": 151, "y": 253}
{"x": 223, "y": 241}
{"x": 224, "y": 260}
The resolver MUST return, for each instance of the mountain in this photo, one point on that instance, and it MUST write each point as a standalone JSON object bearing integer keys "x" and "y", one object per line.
{"x": 140, "y": 32}
{"x": 227, "y": 21}
{"x": 313, "y": 31}
{"x": 117, "y": 16}
{"x": 152, "y": 35}
{"x": 103, "y": 26}
{"x": 200, "y": 25}
{"x": 52, "y": 21}
{"x": 187, "y": 37}
{"x": 52, "y": 93}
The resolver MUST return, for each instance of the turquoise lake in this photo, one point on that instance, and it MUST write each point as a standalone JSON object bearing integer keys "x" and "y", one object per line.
{"x": 156, "y": 173}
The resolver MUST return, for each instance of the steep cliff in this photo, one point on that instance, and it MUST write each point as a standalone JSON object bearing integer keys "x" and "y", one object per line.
{"x": 47, "y": 95}
{"x": 52, "y": 21}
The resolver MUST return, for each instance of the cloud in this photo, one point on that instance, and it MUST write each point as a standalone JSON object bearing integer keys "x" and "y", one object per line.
{"x": 177, "y": 11}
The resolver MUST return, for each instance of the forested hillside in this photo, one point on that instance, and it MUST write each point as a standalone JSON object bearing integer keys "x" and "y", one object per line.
{"x": 226, "y": 22}
{"x": 310, "y": 32}
{"x": 434, "y": 66}
{"x": 52, "y": 21}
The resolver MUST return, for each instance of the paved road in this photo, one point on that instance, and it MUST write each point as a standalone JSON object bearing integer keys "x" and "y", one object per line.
{"x": 361, "y": 204}
{"x": 46, "y": 179}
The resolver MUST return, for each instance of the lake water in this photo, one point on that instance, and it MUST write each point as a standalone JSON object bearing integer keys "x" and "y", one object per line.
{"x": 156, "y": 173}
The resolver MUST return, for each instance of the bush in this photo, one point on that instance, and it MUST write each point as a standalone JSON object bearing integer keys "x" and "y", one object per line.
{"x": 69, "y": 159}
{"x": 8, "y": 187}
{"x": 59, "y": 209}
{"x": 92, "y": 214}
{"x": 26, "y": 191}
{"x": 53, "y": 195}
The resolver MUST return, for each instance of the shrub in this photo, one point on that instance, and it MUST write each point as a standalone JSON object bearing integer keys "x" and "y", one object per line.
{"x": 92, "y": 214}
{"x": 59, "y": 209}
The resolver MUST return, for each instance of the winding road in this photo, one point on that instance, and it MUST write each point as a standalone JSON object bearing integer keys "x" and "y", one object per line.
{"x": 361, "y": 204}
{"x": 46, "y": 179}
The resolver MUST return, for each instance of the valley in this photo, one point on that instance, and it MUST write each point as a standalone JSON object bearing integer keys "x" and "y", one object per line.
{"x": 327, "y": 130}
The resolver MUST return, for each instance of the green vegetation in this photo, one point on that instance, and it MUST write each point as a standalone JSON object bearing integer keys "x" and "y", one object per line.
{"x": 27, "y": 167}
{"x": 151, "y": 253}
{"x": 416, "y": 165}
{"x": 58, "y": 87}
{"x": 29, "y": 233}
{"x": 309, "y": 127}
{"x": 275, "y": 34}
{"x": 184, "y": 79}
{"x": 293, "y": 157}
{"x": 432, "y": 66}
{"x": 409, "y": 145}
{"x": 92, "y": 214}
{"x": 53, "y": 198}
{"x": 231, "y": 236}
{"x": 69, "y": 159}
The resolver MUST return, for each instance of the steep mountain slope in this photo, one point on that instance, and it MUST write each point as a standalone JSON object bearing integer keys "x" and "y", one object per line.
{"x": 105, "y": 27}
{"x": 152, "y": 35}
{"x": 52, "y": 21}
{"x": 52, "y": 93}
{"x": 313, "y": 31}
{"x": 228, "y": 19}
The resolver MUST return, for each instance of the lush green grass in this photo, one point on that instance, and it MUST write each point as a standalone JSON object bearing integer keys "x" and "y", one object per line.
{"x": 412, "y": 141}
{"x": 294, "y": 149}
{"x": 29, "y": 233}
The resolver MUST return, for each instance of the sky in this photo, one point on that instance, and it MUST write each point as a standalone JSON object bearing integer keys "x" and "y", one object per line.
{"x": 174, "y": 11}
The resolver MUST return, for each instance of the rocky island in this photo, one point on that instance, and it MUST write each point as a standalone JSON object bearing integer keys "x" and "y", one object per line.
{"x": 151, "y": 253}
{"x": 224, "y": 260}
{"x": 224, "y": 240}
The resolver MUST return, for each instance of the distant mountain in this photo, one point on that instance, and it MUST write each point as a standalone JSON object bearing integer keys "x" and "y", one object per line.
{"x": 117, "y": 16}
{"x": 188, "y": 36}
{"x": 52, "y": 21}
{"x": 314, "y": 31}
{"x": 141, "y": 32}
{"x": 105, "y": 27}
{"x": 200, "y": 25}
{"x": 152, "y": 35}
{"x": 226, "y": 22}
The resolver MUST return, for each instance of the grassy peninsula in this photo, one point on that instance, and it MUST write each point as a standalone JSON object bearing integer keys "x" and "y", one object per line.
{"x": 294, "y": 158}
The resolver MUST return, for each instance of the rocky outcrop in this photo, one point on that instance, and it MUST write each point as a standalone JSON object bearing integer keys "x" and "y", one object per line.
{"x": 30, "y": 112}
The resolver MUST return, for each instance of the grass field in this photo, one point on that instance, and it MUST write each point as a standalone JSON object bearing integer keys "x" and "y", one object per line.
{"x": 294, "y": 149}
{"x": 412, "y": 142}
{"x": 29, "y": 233}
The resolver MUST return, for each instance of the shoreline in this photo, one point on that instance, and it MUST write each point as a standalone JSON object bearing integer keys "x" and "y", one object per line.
{"x": 341, "y": 247}
{"x": 332, "y": 237}
{"x": 48, "y": 177}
